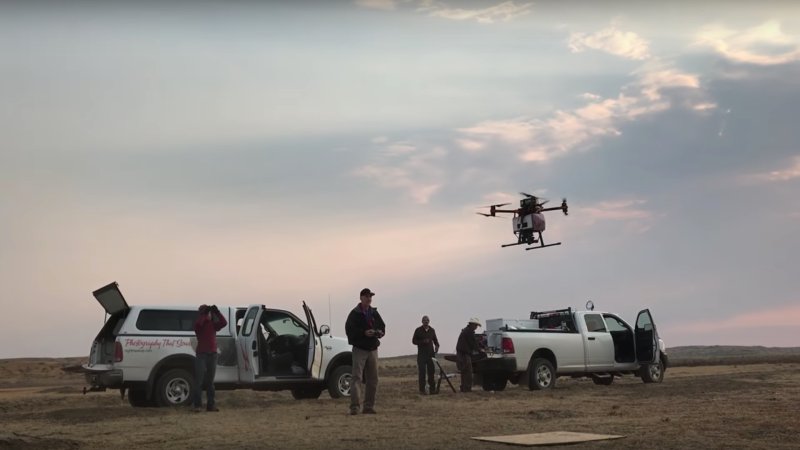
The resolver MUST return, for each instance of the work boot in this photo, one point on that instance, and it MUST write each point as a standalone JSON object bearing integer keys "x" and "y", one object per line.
{"x": 369, "y": 411}
{"x": 212, "y": 409}
{"x": 353, "y": 412}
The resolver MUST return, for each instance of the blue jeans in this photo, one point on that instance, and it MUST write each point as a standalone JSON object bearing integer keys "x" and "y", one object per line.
{"x": 205, "y": 367}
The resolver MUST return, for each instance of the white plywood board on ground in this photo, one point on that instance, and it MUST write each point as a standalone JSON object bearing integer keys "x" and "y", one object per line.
{"x": 549, "y": 438}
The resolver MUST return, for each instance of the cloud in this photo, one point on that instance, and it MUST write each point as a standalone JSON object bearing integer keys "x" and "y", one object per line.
{"x": 625, "y": 44}
{"x": 788, "y": 316}
{"x": 791, "y": 172}
{"x": 631, "y": 212}
{"x": 402, "y": 165}
{"x": 540, "y": 140}
{"x": 501, "y": 12}
{"x": 470, "y": 145}
{"x": 704, "y": 106}
{"x": 765, "y": 44}
{"x": 385, "y": 5}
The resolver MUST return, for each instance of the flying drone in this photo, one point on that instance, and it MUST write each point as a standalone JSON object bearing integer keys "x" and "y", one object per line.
{"x": 528, "y": 221}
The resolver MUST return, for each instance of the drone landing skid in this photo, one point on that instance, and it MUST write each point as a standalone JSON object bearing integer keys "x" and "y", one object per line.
{"x": 542, "y": 246}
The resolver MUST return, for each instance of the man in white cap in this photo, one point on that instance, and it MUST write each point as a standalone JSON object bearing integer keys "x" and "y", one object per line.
{"x": 465, "y": 348}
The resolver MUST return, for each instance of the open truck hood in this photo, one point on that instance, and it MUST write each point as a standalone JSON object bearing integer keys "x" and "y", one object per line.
{"x": 111, "y": 299}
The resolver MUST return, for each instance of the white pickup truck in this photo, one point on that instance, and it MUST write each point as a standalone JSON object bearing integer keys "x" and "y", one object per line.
{"x": 564, "y": 342}
{"x": 150, "y": 350}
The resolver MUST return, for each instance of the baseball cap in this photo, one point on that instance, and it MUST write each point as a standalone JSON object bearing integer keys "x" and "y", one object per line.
{"x": 366, "y": 291}
{"x": 475, "y": 320}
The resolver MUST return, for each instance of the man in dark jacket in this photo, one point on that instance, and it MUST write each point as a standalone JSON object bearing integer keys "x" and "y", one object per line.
{"x": 427, "y": 347}
{"x": 466, "y": 347}
{"x": 209, "y": 321}
{"x": 364, "y": 329}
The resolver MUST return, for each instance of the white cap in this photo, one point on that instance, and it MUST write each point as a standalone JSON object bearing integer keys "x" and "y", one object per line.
{"x": 475, "y": 320}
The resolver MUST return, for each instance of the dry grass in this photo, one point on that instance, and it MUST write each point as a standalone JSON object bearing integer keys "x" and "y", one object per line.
{"x": 696, "y": 407}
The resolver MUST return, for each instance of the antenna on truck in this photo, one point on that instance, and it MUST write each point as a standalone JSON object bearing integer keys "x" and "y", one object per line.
{"x": 330, "y": 323}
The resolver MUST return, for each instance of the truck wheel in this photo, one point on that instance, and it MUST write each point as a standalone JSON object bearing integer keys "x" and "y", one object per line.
{"x": 603, "y": 381}
{"x": 542, "y": 375}
{"x": 339, "y": 381}
{"x": 494, "y": 382}
{"x": 175, "y": 388}
{"x": 653, "y": 373}
{"x": 137, "y": 397}
{"x": 307, "y": 392}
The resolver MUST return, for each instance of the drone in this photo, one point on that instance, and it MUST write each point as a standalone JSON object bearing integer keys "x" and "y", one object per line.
{"x": 528, "y": 221}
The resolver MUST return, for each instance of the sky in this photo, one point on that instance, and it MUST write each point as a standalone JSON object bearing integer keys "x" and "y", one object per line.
{"x": 278, "y": 152}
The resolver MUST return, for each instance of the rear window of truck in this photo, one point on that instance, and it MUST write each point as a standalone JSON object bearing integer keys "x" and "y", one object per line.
{"x": 165, "y": 320}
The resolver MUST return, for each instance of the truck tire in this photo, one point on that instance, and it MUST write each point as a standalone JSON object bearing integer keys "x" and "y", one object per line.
{"x": 653, "y": 373}
{"x": 175, "y": 387}
{"x": 339, "y": 381}
{"x": 496, "y": 382}
{"x": 307, "y": 392}
{"x": 542, "y": 375}
{"x": 137, "y": 397}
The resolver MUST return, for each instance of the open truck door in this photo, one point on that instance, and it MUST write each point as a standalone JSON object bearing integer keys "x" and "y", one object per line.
{"x": 247, "y": 351}
{"x": 314, "y": 363}
{"x": 646, "y": 338}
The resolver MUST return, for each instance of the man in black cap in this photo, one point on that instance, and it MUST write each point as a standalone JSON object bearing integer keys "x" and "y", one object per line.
{"x": 364, "y": 328}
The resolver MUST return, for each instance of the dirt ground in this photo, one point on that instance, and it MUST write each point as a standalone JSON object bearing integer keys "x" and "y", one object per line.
{"x": 745, "y": 406}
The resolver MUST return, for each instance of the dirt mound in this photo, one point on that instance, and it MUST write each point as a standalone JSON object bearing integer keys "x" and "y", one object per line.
{"x": 17, "y": 441}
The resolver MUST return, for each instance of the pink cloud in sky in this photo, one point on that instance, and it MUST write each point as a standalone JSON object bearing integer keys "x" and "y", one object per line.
{"x": 402, "y": 165}
{"x": 540, "y": 140}
{"x": 765, "y": 44}
{"x": 780, "y": 316}
{"x": 631, "y": 213}
{"x": 625, "y": 44}
{"x": 501, "y": 12}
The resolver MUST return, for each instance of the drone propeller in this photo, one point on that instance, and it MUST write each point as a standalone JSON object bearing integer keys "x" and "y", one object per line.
{"x": 526, "y": 195}
{"x": 487, "y": 215}
{"x": 495, "y": 206}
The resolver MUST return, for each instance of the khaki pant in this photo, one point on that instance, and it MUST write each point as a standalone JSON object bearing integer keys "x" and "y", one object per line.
{"x": 365, "y": 369}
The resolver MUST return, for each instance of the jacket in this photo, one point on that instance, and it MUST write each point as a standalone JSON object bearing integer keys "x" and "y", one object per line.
{"x": 428, "y": 348}
{"x": 357, "y": 325}
{"x": 206, "y": 331}
{"x": 467, "y": 345}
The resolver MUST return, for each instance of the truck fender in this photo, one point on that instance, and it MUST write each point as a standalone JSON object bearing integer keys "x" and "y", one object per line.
{"x": 545, "y": 353}
{"x": 173, "y": 361}
{"x": 338, "y": 360}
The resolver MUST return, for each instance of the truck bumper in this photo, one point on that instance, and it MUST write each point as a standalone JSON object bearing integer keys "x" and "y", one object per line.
{"x": 499, "y": 365}
{"x": 105, "y": 379}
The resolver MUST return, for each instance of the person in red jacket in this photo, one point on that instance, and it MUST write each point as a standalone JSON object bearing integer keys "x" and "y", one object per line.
{"x": 209, "y": 321}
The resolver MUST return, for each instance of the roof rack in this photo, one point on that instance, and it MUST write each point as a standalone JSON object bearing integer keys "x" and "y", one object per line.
{"x": 555, "y": 312}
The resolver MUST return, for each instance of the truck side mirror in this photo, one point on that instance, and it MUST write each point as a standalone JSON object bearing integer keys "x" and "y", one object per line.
{"x": 324, "y": 329}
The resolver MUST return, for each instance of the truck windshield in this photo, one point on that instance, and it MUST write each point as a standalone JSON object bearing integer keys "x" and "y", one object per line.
{"x": 283, "y": 324}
